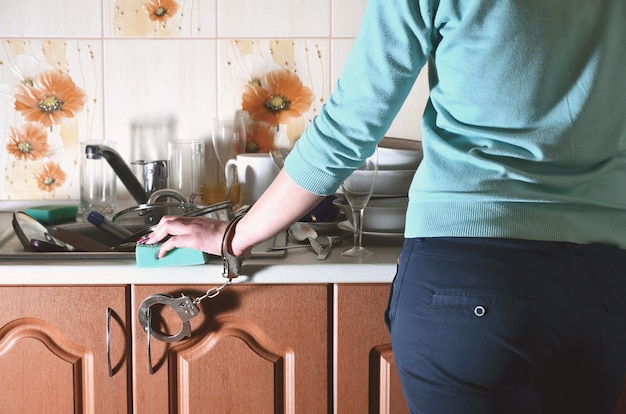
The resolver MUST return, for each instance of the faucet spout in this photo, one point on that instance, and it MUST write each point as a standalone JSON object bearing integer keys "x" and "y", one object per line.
{"x": 122, "y": 170}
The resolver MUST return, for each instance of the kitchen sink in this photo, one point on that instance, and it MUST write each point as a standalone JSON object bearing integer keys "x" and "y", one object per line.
{"x": 12, "y": 248}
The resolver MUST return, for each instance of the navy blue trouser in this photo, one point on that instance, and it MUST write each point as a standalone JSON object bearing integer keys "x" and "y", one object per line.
{"x": 509, "y": 326}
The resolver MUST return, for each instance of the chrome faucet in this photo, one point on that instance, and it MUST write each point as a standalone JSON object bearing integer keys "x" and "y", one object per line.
{"x": 154, "y": 174}
{"x": 123, "y": 171}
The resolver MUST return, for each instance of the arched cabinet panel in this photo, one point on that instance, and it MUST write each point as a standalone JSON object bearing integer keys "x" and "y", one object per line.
{"x": 253, "y": 348}
{"x": 54, "y": 356}
{"x": 78, "y": 376}
{"x": 267, "y": 385}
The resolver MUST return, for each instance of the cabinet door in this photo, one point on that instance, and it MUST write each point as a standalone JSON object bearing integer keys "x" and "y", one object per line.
{"x": 254, "y": 349}
{"x": 53, "y": 350}
{"x": 365, "y": 377}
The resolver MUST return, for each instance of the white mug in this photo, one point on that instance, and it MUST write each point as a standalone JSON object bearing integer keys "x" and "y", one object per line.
{"x": 255, "y": 172}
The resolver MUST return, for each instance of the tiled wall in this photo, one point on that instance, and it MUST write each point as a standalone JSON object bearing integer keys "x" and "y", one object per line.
{"x": 136, "y": 72}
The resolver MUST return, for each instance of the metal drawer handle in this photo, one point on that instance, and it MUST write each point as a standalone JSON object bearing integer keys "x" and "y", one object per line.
{"x": 108, "y": 340}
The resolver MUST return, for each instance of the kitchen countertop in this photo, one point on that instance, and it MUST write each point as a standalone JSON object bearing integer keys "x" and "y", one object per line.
{"x": 296, "y": 266}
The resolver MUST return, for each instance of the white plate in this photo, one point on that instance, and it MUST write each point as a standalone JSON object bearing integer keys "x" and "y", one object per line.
{"x": 380, "y": 214}
{"x": 399, "y": 154}
{"x": 393, "y": 183}
{"x": 347, "y": 226}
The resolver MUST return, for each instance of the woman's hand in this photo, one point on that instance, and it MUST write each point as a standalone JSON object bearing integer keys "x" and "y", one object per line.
{"x": 201, "y": 233}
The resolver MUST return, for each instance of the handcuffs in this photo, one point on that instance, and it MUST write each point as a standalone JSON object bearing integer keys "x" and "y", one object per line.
{"x": 186, "y": 307}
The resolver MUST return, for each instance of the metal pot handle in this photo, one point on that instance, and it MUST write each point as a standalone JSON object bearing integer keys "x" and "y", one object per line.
{"x": 167, "y": 192}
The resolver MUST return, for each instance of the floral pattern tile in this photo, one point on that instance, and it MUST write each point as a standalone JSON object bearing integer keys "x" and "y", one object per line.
{"x": 300, "y": 66}
{"x": 160, "y": 18}
{"x": 50, "y": 102}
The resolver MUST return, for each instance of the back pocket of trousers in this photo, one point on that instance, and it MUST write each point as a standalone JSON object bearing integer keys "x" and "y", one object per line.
{"x": 478, "y": 306}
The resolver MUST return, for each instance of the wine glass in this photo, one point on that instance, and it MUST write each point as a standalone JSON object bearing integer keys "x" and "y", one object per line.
{"x": 357, "y": 189}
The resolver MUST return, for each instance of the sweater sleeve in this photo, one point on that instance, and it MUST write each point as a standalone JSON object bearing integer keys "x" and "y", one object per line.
{"x": 392, "y": 46}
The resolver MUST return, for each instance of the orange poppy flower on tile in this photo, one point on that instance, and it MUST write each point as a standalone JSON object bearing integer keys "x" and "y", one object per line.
{"x": 259, "y": 137}
{"x": 160, "y": 10}
{"x": 52, "y": 98}
{"x": 50, "y": 176}
{"x": 282, "y": 98}
{"x": 30, "y": 141}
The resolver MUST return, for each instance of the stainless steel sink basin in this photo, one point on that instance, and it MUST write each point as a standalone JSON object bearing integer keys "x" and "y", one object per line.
{"x": 12, "y": 248}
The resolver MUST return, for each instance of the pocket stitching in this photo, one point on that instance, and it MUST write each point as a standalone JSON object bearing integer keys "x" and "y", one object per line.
{"x": 493, "y": 301}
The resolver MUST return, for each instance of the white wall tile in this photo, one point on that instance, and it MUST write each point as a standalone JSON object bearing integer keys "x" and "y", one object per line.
{"x": 347, "y": 17}
{"x": 273, "y": 18}
{"x": 407, "y": 123}
{"x": 127, "y": 18}
{"x": 58, "y": 18}
{"x": 155, "y": 80}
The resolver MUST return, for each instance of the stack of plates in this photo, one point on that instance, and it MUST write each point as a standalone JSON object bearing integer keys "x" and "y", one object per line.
{"x": 385, "y": 213}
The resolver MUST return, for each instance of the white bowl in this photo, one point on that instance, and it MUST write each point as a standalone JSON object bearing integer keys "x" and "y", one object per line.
{"x": 399, "y": 154}
{"x": 393, "y": 183}
{"x": 385, "y": 215}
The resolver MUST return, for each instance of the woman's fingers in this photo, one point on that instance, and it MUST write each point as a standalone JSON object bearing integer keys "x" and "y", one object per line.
{"x": 199, "y": 233}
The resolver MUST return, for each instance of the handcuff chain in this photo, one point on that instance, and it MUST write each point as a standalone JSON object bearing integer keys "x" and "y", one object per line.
{"x": 211, "y": 293}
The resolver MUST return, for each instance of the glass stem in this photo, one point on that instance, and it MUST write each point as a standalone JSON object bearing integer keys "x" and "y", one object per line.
{"x": 357, "y": 217}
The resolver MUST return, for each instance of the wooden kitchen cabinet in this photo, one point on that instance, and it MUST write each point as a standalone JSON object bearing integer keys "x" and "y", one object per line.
{"x": 265, "y": 349}
{"x": 254, "y": 348}
{"x": 319, "y": 348}
{"x": 365, "y": 375}
{"x": 301, "y": 348}
{"x": 53, "y": 350}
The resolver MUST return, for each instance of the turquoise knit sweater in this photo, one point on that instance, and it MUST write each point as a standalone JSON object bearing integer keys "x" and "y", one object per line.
{"x": 524, "y": 133}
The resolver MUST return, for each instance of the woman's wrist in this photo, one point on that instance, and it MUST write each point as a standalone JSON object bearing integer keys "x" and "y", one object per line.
{"x": 234, "y": 245}
{"x": 232, "y": 260}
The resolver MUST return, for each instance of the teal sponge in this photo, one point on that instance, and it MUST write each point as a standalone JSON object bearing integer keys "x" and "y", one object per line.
{"x": 146, "y": 256}
{"x": 53, "y": 214}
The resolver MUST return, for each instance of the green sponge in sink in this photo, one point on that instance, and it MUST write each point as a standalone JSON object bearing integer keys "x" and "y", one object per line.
{"x": 53, "y": 214}
{"x": 146, "y": 256}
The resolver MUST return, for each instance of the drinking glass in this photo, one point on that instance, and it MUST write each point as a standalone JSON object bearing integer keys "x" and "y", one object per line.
{"x": 229, "y": 137}
{"x": 97, "y": 185}
{"x": 186, "y": 165}
{"x": 229, "y": 140}
{"x": 357, "y": 189}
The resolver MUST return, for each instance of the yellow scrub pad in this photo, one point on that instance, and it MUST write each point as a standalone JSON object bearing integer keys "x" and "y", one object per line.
{"x": 53, "y": 214}
{"x": 146, "y": 256}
